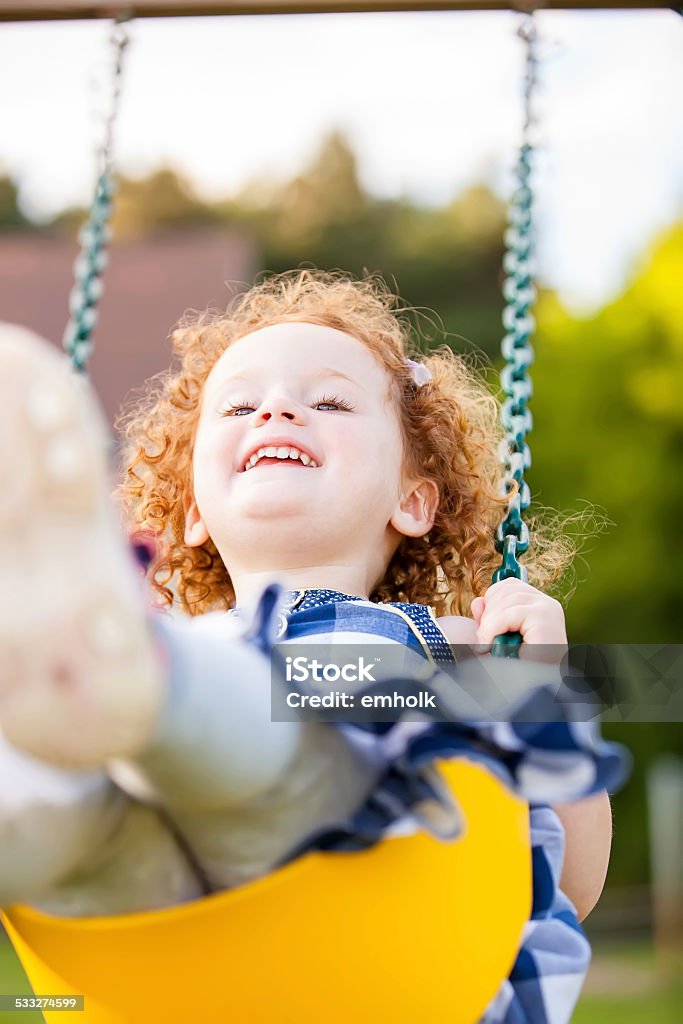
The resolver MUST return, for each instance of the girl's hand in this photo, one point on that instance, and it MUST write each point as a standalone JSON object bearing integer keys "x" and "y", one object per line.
{"x": 514, "y": 606}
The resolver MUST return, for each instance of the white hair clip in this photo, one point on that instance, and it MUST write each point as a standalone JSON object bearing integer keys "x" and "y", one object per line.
{"x": 420, "y": 373}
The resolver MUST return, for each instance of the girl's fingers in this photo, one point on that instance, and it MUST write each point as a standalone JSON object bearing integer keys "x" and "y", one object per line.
{"x": 510, "y": 599}
{"x": 507, "y": 609}
{"x": 492, "y": 625}
{"x": 537, "y": 627}
{"x": 477, "y": 608}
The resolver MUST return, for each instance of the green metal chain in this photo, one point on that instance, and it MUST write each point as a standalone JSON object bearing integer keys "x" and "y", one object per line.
{"x": 512, "y": 536}
{"x": 95, "y": 233}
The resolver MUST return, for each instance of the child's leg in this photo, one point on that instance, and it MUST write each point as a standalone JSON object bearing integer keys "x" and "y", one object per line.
{"x": 49, "y": 819}
{"x": 80, "y": 679}
{"x": 244, "y": 790}
{"x": 72, "y": 843}
{"x": 215, "y": 745}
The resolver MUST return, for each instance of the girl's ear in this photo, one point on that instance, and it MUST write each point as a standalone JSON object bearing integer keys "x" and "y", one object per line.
{"x": 417, "y": 509}
{"x": 196, "y": 532}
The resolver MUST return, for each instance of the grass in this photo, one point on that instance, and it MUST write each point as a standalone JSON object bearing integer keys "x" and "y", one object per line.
{"x": 623, "y": 987}
{"x": 13, "y": 981}
{"x": 663, "y": 1007}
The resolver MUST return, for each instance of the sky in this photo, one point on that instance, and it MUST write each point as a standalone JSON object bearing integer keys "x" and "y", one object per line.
{"x": 431, "y": 102}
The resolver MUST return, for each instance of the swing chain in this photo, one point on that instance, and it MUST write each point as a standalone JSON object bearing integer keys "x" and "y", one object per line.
{"x": 95, "y": 234}
{"x": 512, "y": 536}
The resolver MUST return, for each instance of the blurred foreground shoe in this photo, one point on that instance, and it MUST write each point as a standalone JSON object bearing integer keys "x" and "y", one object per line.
{"x": 81, "y": 679}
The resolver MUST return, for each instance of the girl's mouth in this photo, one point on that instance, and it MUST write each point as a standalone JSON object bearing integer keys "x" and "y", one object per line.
{"x": 282, "y": 454}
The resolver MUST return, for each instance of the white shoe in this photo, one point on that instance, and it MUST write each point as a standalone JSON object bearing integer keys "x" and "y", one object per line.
{"x": 81, "y": 678}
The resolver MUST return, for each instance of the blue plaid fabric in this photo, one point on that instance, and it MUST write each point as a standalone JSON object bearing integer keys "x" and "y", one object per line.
{"x": 542, "y": 762}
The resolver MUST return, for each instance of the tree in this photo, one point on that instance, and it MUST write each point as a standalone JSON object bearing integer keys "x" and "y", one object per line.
{"x": 609, "y": 430}
{"x": 11, "y": 217}
{"x": 609, "y": 425}
{"x": 162, "y": 200}
{"x": 326, "y": 195}
{"x": 445, "y": 260}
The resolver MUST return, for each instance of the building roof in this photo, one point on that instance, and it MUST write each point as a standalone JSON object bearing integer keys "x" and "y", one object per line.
{"x": 149, "y": 284}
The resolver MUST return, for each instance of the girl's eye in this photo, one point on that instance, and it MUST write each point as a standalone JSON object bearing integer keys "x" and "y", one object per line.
{"x": 237, "y": 410}
{"x": 333, "y": 402}
{"x": 327, "y": 402}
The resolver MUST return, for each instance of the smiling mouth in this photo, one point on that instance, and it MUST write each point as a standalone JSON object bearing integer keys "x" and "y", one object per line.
{"x": 285, "y": 455}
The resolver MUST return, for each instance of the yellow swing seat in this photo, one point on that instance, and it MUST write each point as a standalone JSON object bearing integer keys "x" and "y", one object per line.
{"x": 412, "y": 929}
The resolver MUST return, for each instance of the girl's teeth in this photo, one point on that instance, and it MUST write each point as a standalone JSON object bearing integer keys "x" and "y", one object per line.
{"x": 280, "y": 453}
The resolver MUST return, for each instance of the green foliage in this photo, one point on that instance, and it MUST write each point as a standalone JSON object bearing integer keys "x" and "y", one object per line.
{"x": 11, "y": 217}
{"x": 609, "y": 430}
{"x": 445, "y": 260}
{"x": 163, "y": 200}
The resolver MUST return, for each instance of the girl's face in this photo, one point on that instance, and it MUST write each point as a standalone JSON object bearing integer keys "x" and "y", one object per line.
{"x": 298, "y": 455}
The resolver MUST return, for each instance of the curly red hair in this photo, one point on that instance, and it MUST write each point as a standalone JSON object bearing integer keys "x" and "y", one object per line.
{"x": 450, "y": 430}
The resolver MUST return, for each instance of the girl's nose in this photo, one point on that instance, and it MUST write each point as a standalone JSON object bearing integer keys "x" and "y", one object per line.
{"x": 280, "y": 408}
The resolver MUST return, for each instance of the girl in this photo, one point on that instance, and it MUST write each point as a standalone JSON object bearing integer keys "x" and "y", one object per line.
{"x": 296, "y": 442}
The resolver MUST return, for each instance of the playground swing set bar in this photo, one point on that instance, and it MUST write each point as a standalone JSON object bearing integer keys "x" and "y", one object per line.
{"x": 55, "y": 10}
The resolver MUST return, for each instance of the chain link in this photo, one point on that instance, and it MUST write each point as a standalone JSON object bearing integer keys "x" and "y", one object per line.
{"x": 512, "y": 536}
{"x": 95, "y": 234}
